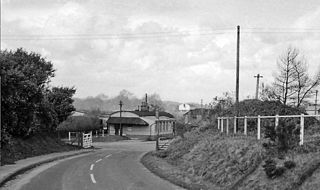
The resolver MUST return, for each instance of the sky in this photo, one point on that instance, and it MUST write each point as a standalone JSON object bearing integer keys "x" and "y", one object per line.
{"x": 183, "y": 50}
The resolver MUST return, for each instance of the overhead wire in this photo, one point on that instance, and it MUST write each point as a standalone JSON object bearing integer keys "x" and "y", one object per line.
{"x": 163, "y": 34}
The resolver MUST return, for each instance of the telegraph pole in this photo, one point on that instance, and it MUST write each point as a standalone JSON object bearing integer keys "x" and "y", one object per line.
{"x": 120, "y": 104}
{"x": 257, "y": 87}
{"x": 237, "y": 73}
{"x": 0, "y": 127}
{"x": 315, "y": 103}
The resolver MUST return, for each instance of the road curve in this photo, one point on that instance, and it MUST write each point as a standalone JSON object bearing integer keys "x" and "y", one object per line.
{"x": 115, "y": 167}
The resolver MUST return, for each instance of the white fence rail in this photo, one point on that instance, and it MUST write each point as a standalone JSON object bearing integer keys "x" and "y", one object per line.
{"x": 222, "y": 120}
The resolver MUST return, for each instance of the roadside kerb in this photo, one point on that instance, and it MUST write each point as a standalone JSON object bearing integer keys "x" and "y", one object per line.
{"x": 9, "y": 172}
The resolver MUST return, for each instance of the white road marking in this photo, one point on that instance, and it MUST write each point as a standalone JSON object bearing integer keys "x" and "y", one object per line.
{"x": 92, "y": 178}
{"x": 108, "y": 156}
{"x": 91, "y": 167}
{"x": 98, "y": 160}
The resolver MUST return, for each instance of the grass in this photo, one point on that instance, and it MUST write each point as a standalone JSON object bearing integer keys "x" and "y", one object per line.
{"x": 210, "y": 160}
{"x": 18, "y": 149}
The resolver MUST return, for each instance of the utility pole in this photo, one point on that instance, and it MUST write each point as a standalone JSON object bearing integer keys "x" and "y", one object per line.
{"x": 257, "y": 87}
{"x": 237, "y": 73}
{"x": 157, "y": 128}
{"x": 120, "y": 104}
{"x": 315, "y": 103}
{"x": 0, "y": 127}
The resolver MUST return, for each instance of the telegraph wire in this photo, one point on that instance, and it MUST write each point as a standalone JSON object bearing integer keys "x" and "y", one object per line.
{"x": 165, "y": 34}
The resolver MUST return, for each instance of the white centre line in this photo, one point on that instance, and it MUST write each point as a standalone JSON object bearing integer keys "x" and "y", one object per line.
{"x": 98, "y": 160}
{"x": 91, "y": 167}
{"x": 92, "y": 178}
{"x": 108, "y": 156}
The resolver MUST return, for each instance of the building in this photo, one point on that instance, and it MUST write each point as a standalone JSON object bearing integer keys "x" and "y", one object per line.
{"x": 313, "y": 110}
{"x": 184, "y": 107}
{"x": 78, "y": 113}
{"x": 141, "y": 123}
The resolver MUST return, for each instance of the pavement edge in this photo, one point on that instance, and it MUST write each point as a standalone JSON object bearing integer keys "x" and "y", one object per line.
{"x": 23, "y": 169}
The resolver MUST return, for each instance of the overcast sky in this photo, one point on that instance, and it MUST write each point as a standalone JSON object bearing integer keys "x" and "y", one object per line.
{"x": 184, "y": 50}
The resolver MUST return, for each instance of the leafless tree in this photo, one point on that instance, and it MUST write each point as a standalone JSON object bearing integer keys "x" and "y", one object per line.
{"x": 292, "y": 83}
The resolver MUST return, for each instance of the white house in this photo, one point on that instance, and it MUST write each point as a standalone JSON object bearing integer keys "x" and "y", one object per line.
{"x": 184, "y": 107}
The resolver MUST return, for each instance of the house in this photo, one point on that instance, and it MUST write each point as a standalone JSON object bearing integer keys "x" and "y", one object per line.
{"x": 78, "y": 113}
{"x": 313, "y": 109}
{"x": 141, "y": 123}
{"x": 184, "y": 107}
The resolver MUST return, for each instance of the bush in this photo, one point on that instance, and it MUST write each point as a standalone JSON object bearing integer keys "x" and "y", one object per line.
{"x": 271, "y": 169}
{"x": 79, "y": 123}
{"x": 289, "y": 164}
{"x": 161, "y": 154}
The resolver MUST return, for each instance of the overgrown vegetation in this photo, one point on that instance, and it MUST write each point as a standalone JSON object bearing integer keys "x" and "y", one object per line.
{"x": 30, "y": 106}
{"x": 79, "y": 123}
{"x": 213, "y": 160}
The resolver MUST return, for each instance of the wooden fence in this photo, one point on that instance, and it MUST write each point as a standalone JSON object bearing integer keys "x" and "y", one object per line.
{"x": 225, "y": 127}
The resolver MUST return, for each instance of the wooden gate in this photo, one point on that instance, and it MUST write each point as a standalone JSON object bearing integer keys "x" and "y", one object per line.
{"x": 87, "y": 140}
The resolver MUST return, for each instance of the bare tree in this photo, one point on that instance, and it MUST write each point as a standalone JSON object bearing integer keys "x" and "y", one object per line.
{"x": 292, "y": 83}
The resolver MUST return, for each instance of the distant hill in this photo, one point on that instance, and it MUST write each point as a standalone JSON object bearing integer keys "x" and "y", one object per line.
{"x": 108, "y": 104}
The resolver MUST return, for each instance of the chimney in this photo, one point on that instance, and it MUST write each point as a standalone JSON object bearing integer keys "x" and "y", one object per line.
{"x": 146, "y": 98}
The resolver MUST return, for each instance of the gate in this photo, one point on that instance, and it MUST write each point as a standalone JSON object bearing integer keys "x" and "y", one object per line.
{"x": 87, "y": 140}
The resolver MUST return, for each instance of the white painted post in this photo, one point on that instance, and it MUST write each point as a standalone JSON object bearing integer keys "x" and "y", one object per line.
{"x": 218, "y": 122}
{"x": 227, "y": 129}
{"x": 301, "y": 129}
{"x": 235, "y": 125}
{"x": 222, "y": 125}
{"x": 102, "y": 132}
{"x": 277, "y": 121}
{"x": 69, "y": 136}
{"x": 259, "y": 135}
{"x": 245, "y": 125}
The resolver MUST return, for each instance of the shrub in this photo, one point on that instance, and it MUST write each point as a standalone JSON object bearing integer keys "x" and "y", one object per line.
{"x": 161, "y": 154}
{"x": 289, "y": 164}
{"x": 271, "y": 169}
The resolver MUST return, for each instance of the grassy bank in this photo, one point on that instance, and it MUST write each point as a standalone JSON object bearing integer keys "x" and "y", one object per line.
{"x": 17, "y": 148}
{"x": 205, "y": 159}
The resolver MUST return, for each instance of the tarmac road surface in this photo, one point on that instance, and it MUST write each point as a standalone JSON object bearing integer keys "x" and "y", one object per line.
{"x": 115, "y": 166}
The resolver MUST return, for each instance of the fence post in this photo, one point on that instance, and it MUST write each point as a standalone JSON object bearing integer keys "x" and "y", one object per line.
{"x": 218, "y": 122}
{"x": 277, "y": 121}
{"x": 227, "y": 128}
{"x": 235, "y": 125}
{"x": 69, "y": 136}
{"x": 301, "y": 129}
{"x": 245, "y": 125}
{"x": 221, "y": 125}
{"x": 259, "y": 127}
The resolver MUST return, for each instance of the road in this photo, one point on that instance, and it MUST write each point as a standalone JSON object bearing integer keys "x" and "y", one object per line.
{"x": 115, "y": 166}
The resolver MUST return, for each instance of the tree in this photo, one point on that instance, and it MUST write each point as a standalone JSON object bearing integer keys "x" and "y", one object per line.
{"x": 155, "y": 102}
{"x": 61, "y": 100}
{"x": 292, "y": 84}
{"x": 24, "y": 78}
{"x": 30, "y": 106}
